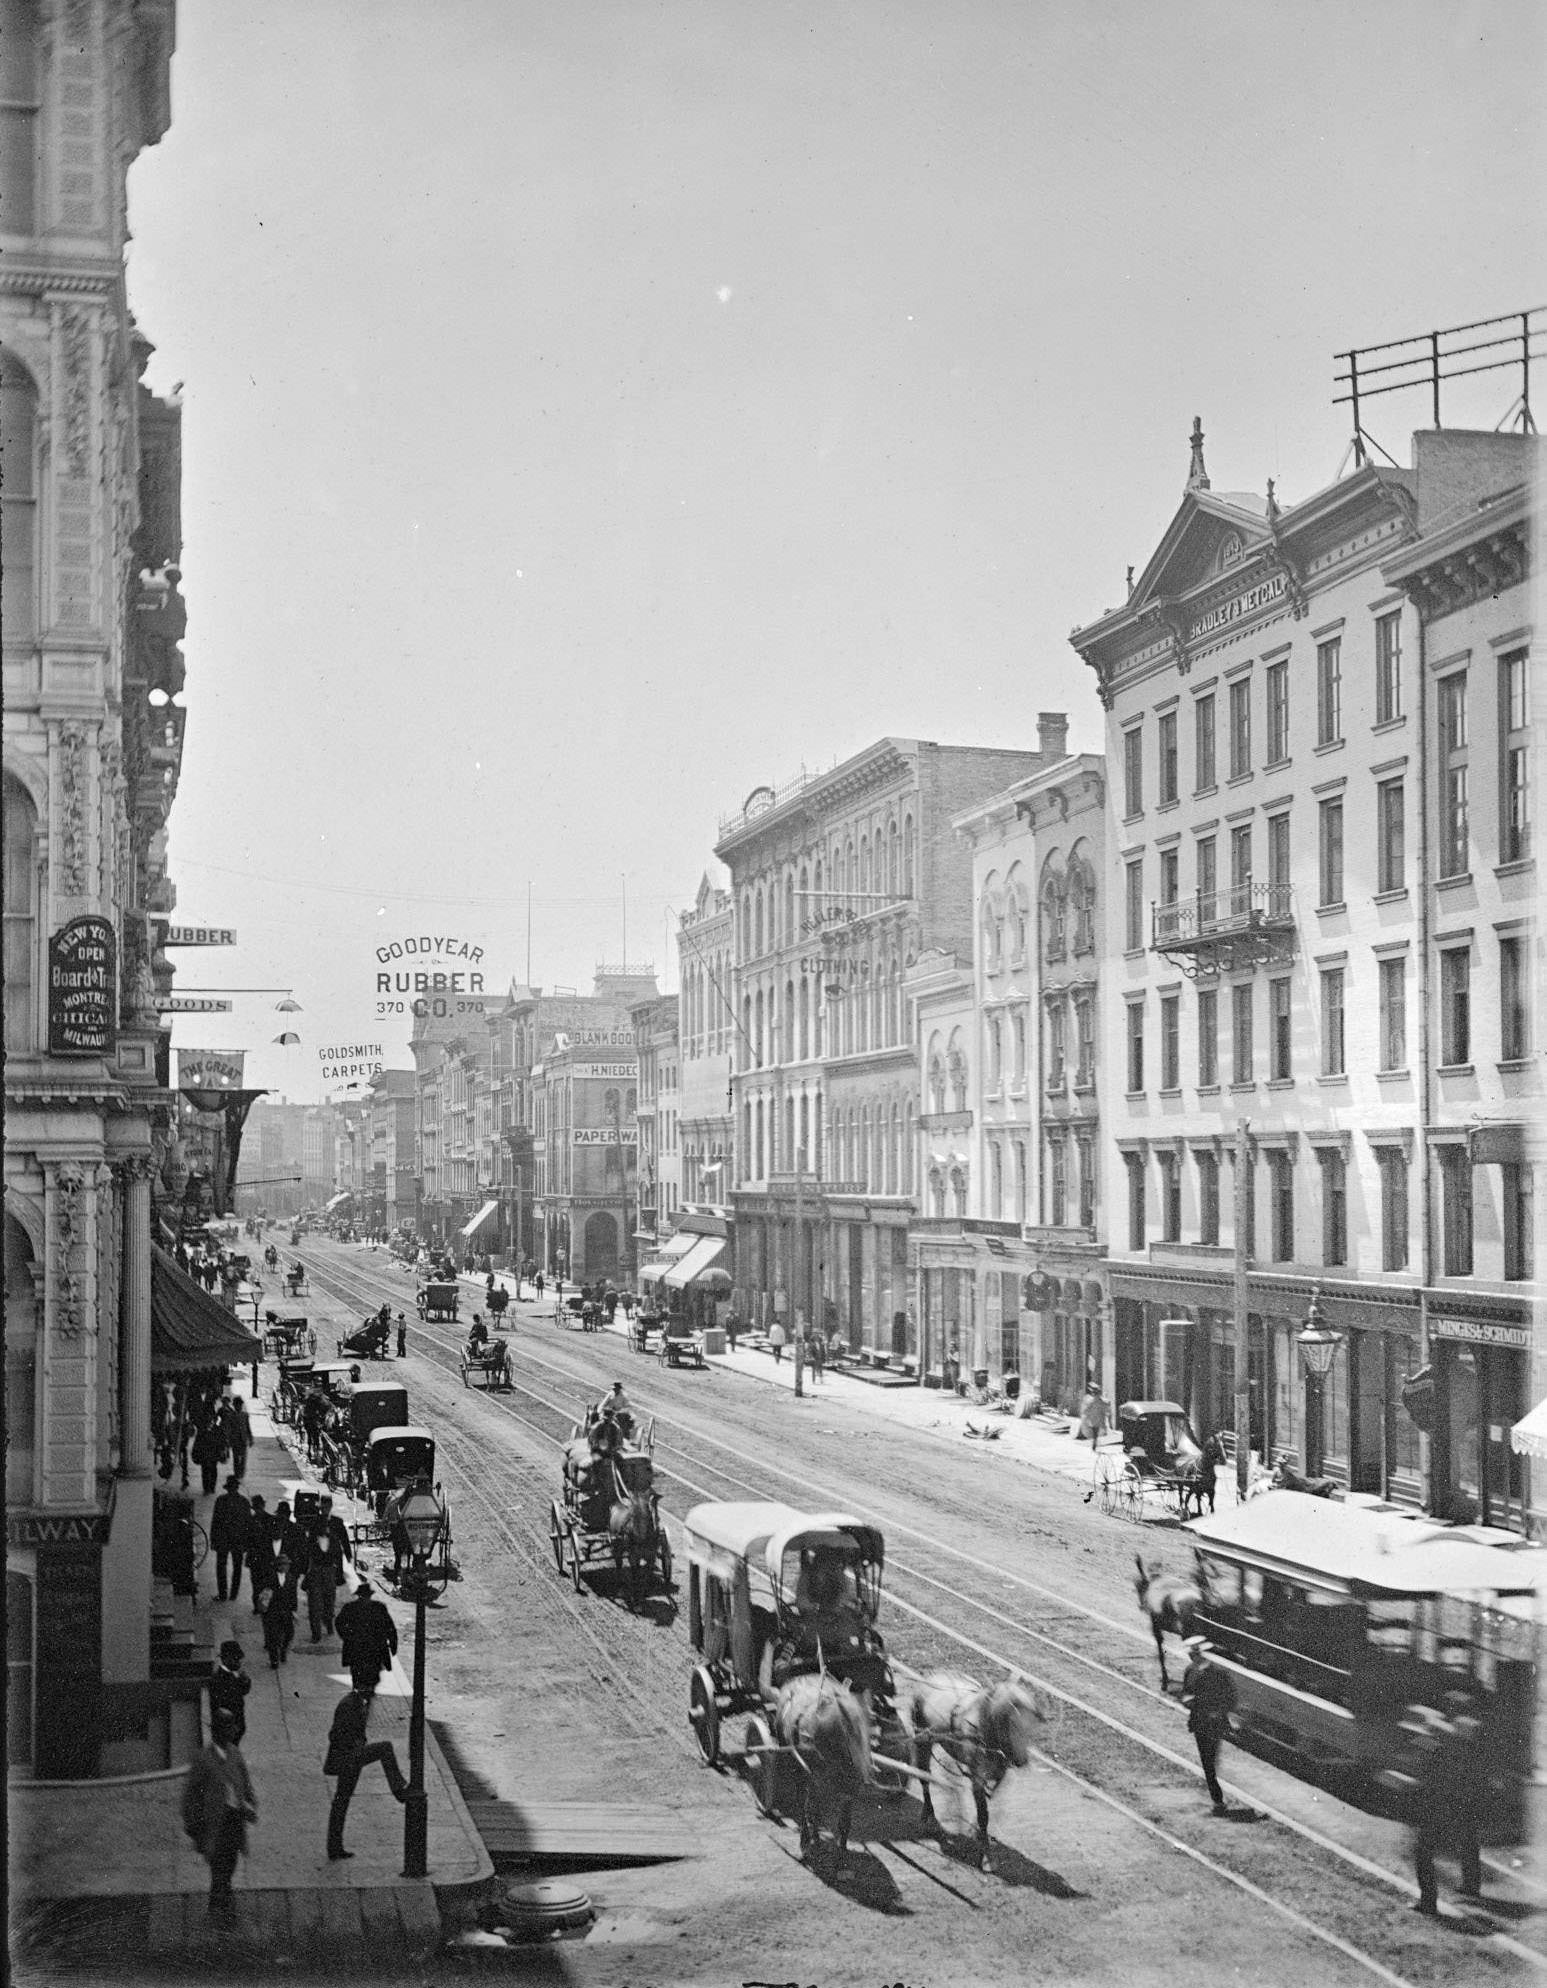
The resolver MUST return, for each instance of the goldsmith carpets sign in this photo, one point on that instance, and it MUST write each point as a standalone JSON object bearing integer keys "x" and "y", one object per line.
{"x": 82, "y": 988}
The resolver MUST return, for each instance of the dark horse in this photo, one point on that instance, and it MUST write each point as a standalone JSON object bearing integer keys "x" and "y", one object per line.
{"x": 986, "y": 1730}
{"x": 633, "y": 1525}
{"x": 1196, "y": 1476}
{"x": 1169, "y": 1601}
{"x": 827, "y": 1727}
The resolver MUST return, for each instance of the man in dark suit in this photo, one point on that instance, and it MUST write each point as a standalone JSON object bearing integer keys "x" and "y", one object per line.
{"x": 230, "y": 1530}
{"x": 349, "y": 1754}
{"x": 218, "y": 1804}
{"x": 369, "y": 1638}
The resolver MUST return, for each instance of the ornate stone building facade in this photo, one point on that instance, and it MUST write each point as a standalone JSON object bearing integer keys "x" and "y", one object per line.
{"x": 92, "y": 746}
{"x": 706, "y": 1032}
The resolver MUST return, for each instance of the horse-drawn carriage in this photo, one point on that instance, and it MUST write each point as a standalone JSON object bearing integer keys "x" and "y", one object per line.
{"x": 579, "y": 1313}
{"x": 640, "y": 1326}
{"x": 299, "y": 1378}
{"x": 271, "y": 1258}
{"x": 287, "y": 1338}
{"x": 498, "y": 1301}
{"x": 681, "y": 1345}
{"x": 370, "y": 1340}
{"x": 296, "y": 1280}
{"x": 397, "y": 1458}
{"x": 346, "y": 1439}
{"x": 610, "y": 1510}
{"x": 1160, "y": 1461}
{"x": 438, "y": 1300}
{"x": 489, "y": 1363}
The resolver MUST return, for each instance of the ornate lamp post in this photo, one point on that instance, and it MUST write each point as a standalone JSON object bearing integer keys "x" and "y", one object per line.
{"x": 422, "y": 1515}
{"x": 1318, "y": 1345}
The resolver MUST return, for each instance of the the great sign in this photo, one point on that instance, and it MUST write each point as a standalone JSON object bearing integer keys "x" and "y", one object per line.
{"x": 82, "y": 988}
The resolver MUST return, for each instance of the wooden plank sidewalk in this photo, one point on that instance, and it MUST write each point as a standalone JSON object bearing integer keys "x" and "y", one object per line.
{"x": 576, "y": 1832}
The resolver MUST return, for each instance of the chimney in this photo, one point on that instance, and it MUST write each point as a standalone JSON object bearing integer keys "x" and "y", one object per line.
{"x": 1053, "y": 734}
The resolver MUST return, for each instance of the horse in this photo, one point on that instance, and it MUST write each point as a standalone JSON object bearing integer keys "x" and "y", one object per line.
{"x": 633, "y": 1527}
{"x": 986, "y": 1730}
{"x": 827, "y": 1726}
{"x": 1287, "y": 1478}
{"x": 1169, "y": 1601}
{"x": 1198, "y": 1475}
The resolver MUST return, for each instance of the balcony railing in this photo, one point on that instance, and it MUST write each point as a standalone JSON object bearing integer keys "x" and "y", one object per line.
{"x": 1247, "y": 924}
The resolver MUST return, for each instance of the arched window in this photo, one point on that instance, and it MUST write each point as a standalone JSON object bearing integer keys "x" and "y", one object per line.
{"x": 746, "y": 1032}
{"x": 907, "y": 856}
{"x": 1082, "y": 887}
{"x": 817, "y": 906}
{"x": 18, "y": 450}
{"x": 20, "y": 898}
{"x": 1018, "y": 1026}
{"x": 744, "y": 936}
{"x": 816, "y": 1018}
{"x": 805, "y": 1018}
{"x": 894, "y": 1152}
{"x": 893, "y": 860}
{"x": 864, "y": 1147}
{"x": 862, "y": 1007}
{"x": 757, "y": 1031}
{"x": 762, "y": 1171}
{"x": 996, "y": 1181}
{"x": 847, "y": 885}
{"x": 1015, "y": 904}
{"x": 995, "y": 1052}
{"x": 937, "y": 1193}
{"x": 956, "y": 1065}
{"x": 959, "y": 1193}
{"x": 757, "y": 924}
{"x": 787, "y": 1025}
{"x": 788, "y": 1155}
{"x": 789, "y": 909}
{"x": 864, "y": 872}
{"x": 936, "y": 1082}
{"x": 1053, "y": 919}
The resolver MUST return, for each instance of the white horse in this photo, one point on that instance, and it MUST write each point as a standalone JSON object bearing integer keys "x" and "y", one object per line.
{"x": 986, "y": 1730}
{"x": 826, "y": 1725}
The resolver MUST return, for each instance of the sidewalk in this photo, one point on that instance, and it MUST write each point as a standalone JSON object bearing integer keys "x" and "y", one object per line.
{"x": 111, "y": 1855}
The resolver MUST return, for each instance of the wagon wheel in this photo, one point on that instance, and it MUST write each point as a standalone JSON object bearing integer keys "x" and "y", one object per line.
{"x": 704, "y": 1714}
{"x": 763, "y": 1761}
{"x": 556, "y": 1531}
{"x": 574, "y": 1562}
{"x": 311, "y": 1342}
{"x": 1130, "y": 1493}
{"x": 1110, "y": 1477}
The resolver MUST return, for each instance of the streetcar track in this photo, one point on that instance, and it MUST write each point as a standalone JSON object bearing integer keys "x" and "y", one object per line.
{"x": 1352, "y": 1862}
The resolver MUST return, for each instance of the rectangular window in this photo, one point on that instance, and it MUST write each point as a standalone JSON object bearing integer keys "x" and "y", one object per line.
{"x": 1208, "y": 1037}
{"x": 1055, "y": 1045}
{"x": 1333, "y": 1038}
{"x": 1167, "y": 756}
{"x": 1514, "y": 999}
{"x": 20, "y": 96}
{"x": 1329, "y": 691}
{"x": 1057, "y": 1183}
{"x": 1390, "y": 836}
{"x": 1208, "y": 1197}
{"x": 1133, "y": 904}
{"x": 1331, "y": 853}
{"x": 1208, "y": 880}
{"x": 1203, "y": 739}
{"x": 1170, "y": 1042}
{"x": 1334, "y": 1207}
{"x": 1170, "y": 1197}
{"x": 1519, "y": 1188}
{"x": 1456, "y": 1209}
{"x": 1393, "y": 1014}
{"x": 1454, "y": 849}
{"x": 1388, "y": 668}
{"x": 1515, "y": 774}
{"x": 1240, "y": 727}
{"x": 1135, "y": 1200}
{"x": 1241, "y": 871}
{"x": 1170, "y": 876}
{"x": 1456, "y": 1005}
{"x": 1241, "y": 1034}
{"x": 1277, "y": 676}
{"x": 1281, "y": 1185}
{"x": 1087, "y": 1158}
{"x": 1279, "y": 1038}
{"x": 1133, "y": 771}
{"x": 1393, "y": 1199}
{"x": 1278, "y": 866}
{"x": 1085, "y": 1025}
{"x": 1135, "y": 1046}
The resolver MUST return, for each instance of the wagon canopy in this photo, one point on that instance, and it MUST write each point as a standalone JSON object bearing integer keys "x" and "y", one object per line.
{"x": 860, "y": 1545}
{"x": 723, "y": 1537}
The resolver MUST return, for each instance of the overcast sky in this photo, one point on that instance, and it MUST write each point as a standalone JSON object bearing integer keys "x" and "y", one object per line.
{"x": 594, "y": 410}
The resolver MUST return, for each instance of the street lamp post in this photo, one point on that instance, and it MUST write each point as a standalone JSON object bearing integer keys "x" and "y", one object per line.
{"x": 422, "y": 1515}
{"x": 1318, "y": 1348}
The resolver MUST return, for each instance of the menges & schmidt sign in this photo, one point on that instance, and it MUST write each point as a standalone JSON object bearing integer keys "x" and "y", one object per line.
{"x": 1482, "y": 1332}
{"x": 82, "y": 988}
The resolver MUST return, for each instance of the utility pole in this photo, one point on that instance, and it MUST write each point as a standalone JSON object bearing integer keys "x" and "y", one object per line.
{"x": 1243, "y": 1389}
{"x": 800, "y": 1344}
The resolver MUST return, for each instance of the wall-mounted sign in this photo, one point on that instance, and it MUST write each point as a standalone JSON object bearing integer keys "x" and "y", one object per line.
{"x": 1482, "y": 1332}
{"x": 1243, "y": 604}
{"x": 211, "y": 1069}
{"x": 193, "y": 1004}
{"x": 565, "y": 1041}
{"x": 343, "y": 1060}
{"x": 604, "y": 1135}
{"x": 626, "y": 1072}
{"x": 200, "y": 935}
{"x": 82, "y": 988}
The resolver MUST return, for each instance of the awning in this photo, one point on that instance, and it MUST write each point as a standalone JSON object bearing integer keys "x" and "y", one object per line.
{"x": 1529, "y": 1435}
{"x": 480, "y": 1218}
{"x": 329, "y": 1206}
{"x": 188, "y": 1328}
{"x": 704, "y": 1252}
{"x": 653, "y": 1272}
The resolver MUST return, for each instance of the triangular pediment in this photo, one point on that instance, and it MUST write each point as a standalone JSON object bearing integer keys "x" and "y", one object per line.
{"x": 1209, "y": 536}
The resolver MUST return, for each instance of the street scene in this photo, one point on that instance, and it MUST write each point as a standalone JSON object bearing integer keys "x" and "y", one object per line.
{"x": 772, "y": 1218}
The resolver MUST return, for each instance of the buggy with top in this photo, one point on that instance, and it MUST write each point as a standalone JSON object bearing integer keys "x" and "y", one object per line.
{"x": 1160, "y": 1461}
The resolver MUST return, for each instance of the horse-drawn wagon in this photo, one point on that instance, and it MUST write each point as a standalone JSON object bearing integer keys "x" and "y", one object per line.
{"x": 610, "y": 1509}
{"x": 296, "y": 1281}
{"x": 680, "y": 1345}
{"x": 288, "y": 1338}
{"x": 489, "y": 1363}
{"x": 438, "y": 1301}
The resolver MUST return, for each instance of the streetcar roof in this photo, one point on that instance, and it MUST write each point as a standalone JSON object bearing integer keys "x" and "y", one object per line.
{"x": 738, "y": 1529}
{"x": 1371, "y": 1549}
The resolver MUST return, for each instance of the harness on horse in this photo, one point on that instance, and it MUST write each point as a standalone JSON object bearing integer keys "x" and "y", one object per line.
{"x": 986, "y": 1765}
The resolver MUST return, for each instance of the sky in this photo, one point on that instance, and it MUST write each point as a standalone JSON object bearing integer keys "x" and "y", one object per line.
{"x": 595, "y": 411}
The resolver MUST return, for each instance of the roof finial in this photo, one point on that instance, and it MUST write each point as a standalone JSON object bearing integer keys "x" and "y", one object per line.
{"x": 1197, "y": 475}
{"x": 1273, "y": 511}
{"x": 1130, "y": 582}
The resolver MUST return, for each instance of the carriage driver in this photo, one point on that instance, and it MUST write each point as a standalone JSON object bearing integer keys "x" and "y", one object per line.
{"x": 622, "y": 1409}
{"x": 477, "y": 1336}
{"x": 604, "y": 1435}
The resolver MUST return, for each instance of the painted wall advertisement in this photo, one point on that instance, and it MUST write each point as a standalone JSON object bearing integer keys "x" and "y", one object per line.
{"x": 82, "y": 988}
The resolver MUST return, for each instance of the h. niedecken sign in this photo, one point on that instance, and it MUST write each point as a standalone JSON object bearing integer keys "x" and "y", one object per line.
{"x": 82, "y": 987}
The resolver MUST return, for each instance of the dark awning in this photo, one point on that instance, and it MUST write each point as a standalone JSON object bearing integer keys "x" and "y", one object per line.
{"x": 188, "y": 1328}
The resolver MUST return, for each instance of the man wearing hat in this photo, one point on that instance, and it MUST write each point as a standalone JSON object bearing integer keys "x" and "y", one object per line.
{"x": 230, "y": 1530}
{"x": 369, "y": 1638}
{"x": 622, "y": 1408}
{"x": 1448, "y": 1795}
{"x": 1208, "y": 1691}
{"x": 229, "y": 1686}
{"x": 218, "y": 1804}
{"x": 349, "y": 1754}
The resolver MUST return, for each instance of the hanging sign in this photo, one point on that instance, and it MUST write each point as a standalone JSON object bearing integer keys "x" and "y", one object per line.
{"x": 82, "y": 988}
{"x": 211, "y": 1069}
{"x": 200, "y": 935}
{"x": 193, "y": 1004}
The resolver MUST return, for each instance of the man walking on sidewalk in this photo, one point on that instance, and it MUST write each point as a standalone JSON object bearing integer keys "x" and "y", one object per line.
{"x": 218, "y": 1804}
{"x": 349, "y": 1754}
{"x": 230, "y": 1530}
{"x": 369, "y": 1637}
{"x": 1209, "y": 1695}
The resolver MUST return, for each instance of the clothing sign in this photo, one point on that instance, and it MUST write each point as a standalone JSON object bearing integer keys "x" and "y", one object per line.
{"x": 82, "y": 988}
